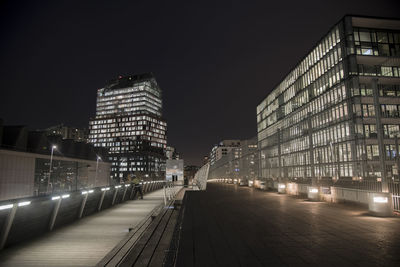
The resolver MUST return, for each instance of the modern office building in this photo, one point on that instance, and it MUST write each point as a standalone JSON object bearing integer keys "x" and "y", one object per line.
{"x": 129, "y": 124}
{"x": 336, "y": 114}
{"x": 240, "y": 162}
{"x": 222, "y": 149}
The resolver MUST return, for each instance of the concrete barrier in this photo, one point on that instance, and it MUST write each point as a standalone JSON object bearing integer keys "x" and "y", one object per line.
{"x": 340, "y": 194}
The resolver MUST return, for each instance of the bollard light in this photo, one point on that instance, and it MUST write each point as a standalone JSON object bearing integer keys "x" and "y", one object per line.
{"x": 380, "y": 199}
{"x": 281, "y": 188}
{"x": 313, "y": 190}
{"x": 380, "y": 204}
{"x": 313, "y": 193}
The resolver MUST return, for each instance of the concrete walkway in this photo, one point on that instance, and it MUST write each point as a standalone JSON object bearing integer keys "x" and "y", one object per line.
{"x": 85, "y": 242}
{"x": 230, "y": 225}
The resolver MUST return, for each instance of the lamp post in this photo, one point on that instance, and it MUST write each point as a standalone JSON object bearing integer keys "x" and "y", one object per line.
{"x": 51, "y": 162}
{"x": 97, "y": 167}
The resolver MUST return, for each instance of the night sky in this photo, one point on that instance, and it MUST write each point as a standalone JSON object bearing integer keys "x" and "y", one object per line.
{"x": 215, "y": 61}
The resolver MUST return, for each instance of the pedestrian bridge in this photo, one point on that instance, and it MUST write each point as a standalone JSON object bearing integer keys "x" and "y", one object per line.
{"x": 58, "y": 231}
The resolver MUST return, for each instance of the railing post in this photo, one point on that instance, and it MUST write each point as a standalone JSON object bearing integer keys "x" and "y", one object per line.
{"x": 54, "y": 214}
{"x": 101, "y": 200}
{"x": 115, "y": 195}
{"x": 7, "y": 225}
{"x": 83, "y": 205}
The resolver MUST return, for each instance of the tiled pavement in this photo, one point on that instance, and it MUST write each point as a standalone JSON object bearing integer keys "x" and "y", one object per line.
{"x": 230, "y": 225}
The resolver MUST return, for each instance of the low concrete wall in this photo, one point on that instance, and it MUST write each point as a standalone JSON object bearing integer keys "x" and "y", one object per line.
{"x": 339, "y": 194}
{"x": 34, "y": 219}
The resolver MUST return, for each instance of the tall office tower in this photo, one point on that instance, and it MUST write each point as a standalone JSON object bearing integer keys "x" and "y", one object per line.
{"x": 129, "y": 123}
{"x": 336, "y": 114}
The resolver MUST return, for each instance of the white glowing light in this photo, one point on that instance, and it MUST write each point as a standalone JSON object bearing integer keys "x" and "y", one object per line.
{"x": 24, "y": 203}
{"x": 84, "y": 192}
{"x": 380, "y": 199}
{"x": 55, "y": 198}
{"x": 4, "y": 207}
{"x": 117, "y": 186}
{"x": 105, "y": 189}
{"x": 65, "y": 196}
{"x": 90, "y": 191}
{"x": 313, "y": 190}
{"x": 281, "y": 186}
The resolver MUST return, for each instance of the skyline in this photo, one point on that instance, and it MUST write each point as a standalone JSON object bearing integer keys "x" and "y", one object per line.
{"x": 204, "y": 58}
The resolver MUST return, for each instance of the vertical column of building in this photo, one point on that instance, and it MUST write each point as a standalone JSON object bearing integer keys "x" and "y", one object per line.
{"x": 379, "y": 129}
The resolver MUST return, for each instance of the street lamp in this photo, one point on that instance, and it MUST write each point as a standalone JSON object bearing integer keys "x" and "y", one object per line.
{"x": 97, "y": 167}
{"x": 51, "y": 162}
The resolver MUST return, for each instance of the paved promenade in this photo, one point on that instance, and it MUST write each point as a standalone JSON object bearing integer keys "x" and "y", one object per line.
{"x": 85, "y": 242}
{"x": 230, "y": 225}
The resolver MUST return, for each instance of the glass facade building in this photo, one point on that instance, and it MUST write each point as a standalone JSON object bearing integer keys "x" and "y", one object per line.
{"x": 336, "y": 115}
{"x": 129, "y": 123}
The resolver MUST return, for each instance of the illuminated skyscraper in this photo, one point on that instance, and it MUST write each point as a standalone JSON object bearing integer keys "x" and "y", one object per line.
{"x": 129, "y": 123}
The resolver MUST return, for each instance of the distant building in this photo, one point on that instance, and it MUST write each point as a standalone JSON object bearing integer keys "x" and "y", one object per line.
{"x": 222, "y": 149}
{"x": 206, "y": 159}
{"x": 76, "y": 134}
{"x": 171, "y": 153}
{"x": 174, "y": 171}
{"x": 129, "y": 124}
{"x": 239, "y": 162}
{"x": 336, "y": 114}
{"x": 190, "y": 171}
{"x": 25, "y": 158}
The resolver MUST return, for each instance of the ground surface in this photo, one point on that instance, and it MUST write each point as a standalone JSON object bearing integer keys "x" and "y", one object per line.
{"x": 230, "y": 225}
{"x": 85, "y": 242}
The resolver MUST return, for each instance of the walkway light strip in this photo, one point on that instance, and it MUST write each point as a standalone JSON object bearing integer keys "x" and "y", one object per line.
{"x": 85, "y": 192}
{"x": 127, "y": 185}
{"x": 4, "y": 207}
{"x": 117, "y": 186}
{"x": 380, "y": 199}
{"x": 65, "y": 196}
{"x": 105, "y": 189}
{"x": 55, "y": 198}
{"x": 90, "y": 191}
{"x": 24, "y": 203}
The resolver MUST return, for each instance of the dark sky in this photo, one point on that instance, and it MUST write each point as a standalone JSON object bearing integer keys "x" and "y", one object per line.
{"x": 214, "y": 60}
